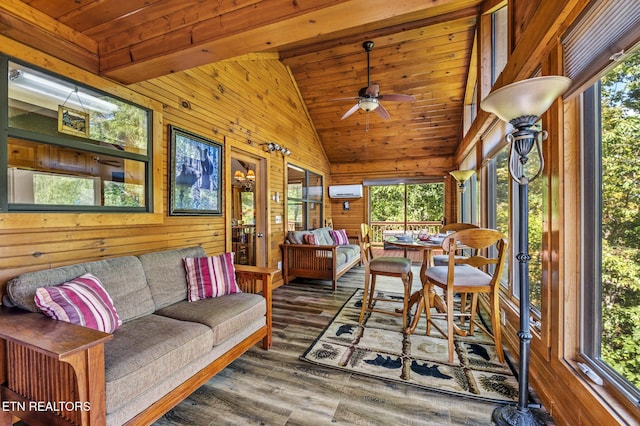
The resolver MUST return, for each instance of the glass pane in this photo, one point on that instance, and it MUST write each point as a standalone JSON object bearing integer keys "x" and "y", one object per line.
{"x": 425, "y": 203}
{"x": 314, "y": 215}
{"x": 48, "y": 105}
{"x": 620, "y": 237}
{"x": 295, "y": 216}
{"x": 535, "y": 240}
{"x": 387, "y": 211}
{"x": 314, "y": 188}
{"x": 50, "y": 175}
{"x": 503, "y": 185}
{"x": 295, "y": 182}
{"x": 500, "y": 41}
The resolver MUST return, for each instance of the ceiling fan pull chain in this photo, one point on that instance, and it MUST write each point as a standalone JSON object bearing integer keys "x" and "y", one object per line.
{"x": 366, "y": 121}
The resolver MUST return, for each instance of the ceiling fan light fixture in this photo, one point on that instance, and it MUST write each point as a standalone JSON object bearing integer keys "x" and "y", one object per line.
{"x": 368, "y": 104}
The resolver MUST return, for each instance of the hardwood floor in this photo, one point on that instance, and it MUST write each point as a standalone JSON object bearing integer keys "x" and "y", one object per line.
{"x": 276, "y": 388}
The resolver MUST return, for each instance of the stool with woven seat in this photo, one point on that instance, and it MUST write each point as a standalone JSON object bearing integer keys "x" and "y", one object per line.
{"x": 387, "y": 266}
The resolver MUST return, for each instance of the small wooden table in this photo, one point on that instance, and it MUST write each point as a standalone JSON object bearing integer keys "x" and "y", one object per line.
{"x": 427, "y": 248}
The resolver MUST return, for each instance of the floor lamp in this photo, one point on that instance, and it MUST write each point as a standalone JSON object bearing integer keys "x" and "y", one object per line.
{"x": 521, "y": 104}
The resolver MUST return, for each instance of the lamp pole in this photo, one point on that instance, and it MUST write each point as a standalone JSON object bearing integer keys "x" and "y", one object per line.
{"x": 521, "y": 104}
{"x": 522, "y": 140}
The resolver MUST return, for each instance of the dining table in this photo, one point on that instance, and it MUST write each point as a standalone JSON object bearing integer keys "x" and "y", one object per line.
{"x": 427, "y": 246}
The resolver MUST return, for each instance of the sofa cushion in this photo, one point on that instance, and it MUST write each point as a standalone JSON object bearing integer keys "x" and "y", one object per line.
{"x": 81, "y": 301}
{"x": 212, "y": 276}
{"x": 166, "y": 274}
{"x": 226, "y": 315}
{"x": 146, "y": 350}
{"x": 324, "y": 236}
{"x": 124, "y": 280}
{"x": 296, "y": 237}
{"x": 122, "y": 277}
{"x": 351, "y": 251}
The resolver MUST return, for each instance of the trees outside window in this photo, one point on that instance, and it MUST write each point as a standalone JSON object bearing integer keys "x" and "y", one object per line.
{"x": 611, "y": 298}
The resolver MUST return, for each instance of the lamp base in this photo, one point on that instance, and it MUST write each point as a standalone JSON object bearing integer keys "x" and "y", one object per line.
{"x": 509, "y": 415}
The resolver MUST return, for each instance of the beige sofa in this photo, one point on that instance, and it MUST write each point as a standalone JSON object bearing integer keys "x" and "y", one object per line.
{"x": 325, "y": 261}
{"x": 53, "y": 371}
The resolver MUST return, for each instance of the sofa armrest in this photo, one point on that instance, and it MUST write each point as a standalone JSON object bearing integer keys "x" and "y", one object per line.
{"x": 44, "y": 361}
{"x": 56, "y": 339}
{"x": 258, "y": 279}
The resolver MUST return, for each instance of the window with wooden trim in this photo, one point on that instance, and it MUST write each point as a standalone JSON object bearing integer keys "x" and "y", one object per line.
{"x": 611, "y": 228}
{"x": 70, "y": 147}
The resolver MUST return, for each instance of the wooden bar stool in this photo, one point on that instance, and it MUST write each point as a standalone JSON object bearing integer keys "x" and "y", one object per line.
{"x": 467, "y": 275}
{"x": 388, "y": 266}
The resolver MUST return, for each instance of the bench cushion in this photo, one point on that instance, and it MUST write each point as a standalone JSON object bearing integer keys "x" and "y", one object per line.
{"x": 225, "y": 316}
{"x": 146, "y": 350}
{"x": 122, "y": 277}
{"x": 166, "y": 274}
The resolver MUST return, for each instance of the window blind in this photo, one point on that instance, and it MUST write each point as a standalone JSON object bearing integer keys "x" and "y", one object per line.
{"x": 593, "y": 42}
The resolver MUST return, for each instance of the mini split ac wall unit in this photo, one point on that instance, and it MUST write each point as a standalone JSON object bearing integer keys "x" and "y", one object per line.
{"x": 345, "y": 191}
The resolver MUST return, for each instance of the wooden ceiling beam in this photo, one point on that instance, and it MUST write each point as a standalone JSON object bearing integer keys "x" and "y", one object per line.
{"x": 267, "y": 27}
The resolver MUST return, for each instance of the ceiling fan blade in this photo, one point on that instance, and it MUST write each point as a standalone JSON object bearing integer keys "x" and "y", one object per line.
{"x": 351, "y": 111}
{"x": 373, "y": 90}
{"x": 353, "y": 98}
{"x": 394, "y": 97}
{"x": 382, "y": 112}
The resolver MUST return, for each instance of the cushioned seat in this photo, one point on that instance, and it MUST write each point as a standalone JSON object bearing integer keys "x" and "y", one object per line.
{"x": 225, "y": 316}
{"x": 391, "y": 265}
{"x": 139, "y": 355}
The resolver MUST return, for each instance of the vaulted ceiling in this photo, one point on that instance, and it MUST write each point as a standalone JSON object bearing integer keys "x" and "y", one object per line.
{"x": 421, "y": 48}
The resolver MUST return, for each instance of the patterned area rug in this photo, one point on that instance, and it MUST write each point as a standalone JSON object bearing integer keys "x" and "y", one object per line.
{"x": 378, "y": 348}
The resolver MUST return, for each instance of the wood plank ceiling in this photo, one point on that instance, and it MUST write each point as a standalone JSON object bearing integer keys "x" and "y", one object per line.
{"x": 420, "y": 48}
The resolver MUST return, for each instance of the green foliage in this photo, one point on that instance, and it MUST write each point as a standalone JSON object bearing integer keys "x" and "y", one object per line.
{"x": 620, "y": 93}
{"x": 425, "y": 202}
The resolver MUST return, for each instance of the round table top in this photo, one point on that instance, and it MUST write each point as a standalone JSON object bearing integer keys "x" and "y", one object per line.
{"x": 417, "y": 244}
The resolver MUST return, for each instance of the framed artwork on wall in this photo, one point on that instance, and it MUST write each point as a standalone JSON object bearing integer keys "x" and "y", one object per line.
{"x": 195, "y": 174}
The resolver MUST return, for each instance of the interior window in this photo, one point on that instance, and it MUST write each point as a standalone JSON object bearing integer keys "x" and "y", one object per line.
{"x": 70, "y": 147}
{"x": 611, "y": 205}
{"x": 305, "y": 199}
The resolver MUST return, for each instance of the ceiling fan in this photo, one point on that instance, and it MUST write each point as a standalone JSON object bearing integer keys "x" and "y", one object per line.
{"x": 369, "y": 97}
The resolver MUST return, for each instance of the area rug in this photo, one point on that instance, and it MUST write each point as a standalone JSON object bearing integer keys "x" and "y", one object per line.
{"x": 378, "y": 348}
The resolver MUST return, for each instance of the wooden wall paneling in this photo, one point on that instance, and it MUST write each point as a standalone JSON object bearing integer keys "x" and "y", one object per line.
{"x": 250, "y": 102}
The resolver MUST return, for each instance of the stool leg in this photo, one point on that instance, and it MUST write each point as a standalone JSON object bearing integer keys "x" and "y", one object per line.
{"x": 372, "y": 291}
{"x": 426, "y": 295}
{"x": 365, "y": 293}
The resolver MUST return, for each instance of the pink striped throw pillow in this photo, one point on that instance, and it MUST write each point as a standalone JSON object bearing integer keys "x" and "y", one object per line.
{"x": 340, "y": 237}
{"x": 212, "y": 276}
{"x": 81, "y": 301}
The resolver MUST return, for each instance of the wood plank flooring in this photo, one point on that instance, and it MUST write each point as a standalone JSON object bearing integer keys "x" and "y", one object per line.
{"x": 276, "y": 388}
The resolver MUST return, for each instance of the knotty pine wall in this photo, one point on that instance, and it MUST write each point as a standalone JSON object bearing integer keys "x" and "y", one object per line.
{"x": 241, "y": 103}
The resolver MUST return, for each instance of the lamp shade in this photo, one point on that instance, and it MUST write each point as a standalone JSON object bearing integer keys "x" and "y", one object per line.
{"x": 251, "y": 175}
{"x": 531, "y": 97}
{"x": 462, "y": 175}
{"x": 238, "y": 175}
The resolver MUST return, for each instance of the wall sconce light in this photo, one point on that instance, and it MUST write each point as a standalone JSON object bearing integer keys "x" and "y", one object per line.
{"x": 249, "y": 179}
{"x": 461, "y": 176}
{"x": 272, "y": 146}
{"x": 239, "y": 176}
{"x": 521, "y": 104}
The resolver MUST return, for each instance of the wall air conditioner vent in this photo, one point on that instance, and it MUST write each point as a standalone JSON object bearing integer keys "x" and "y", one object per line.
{"x": 345, "y": 191}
